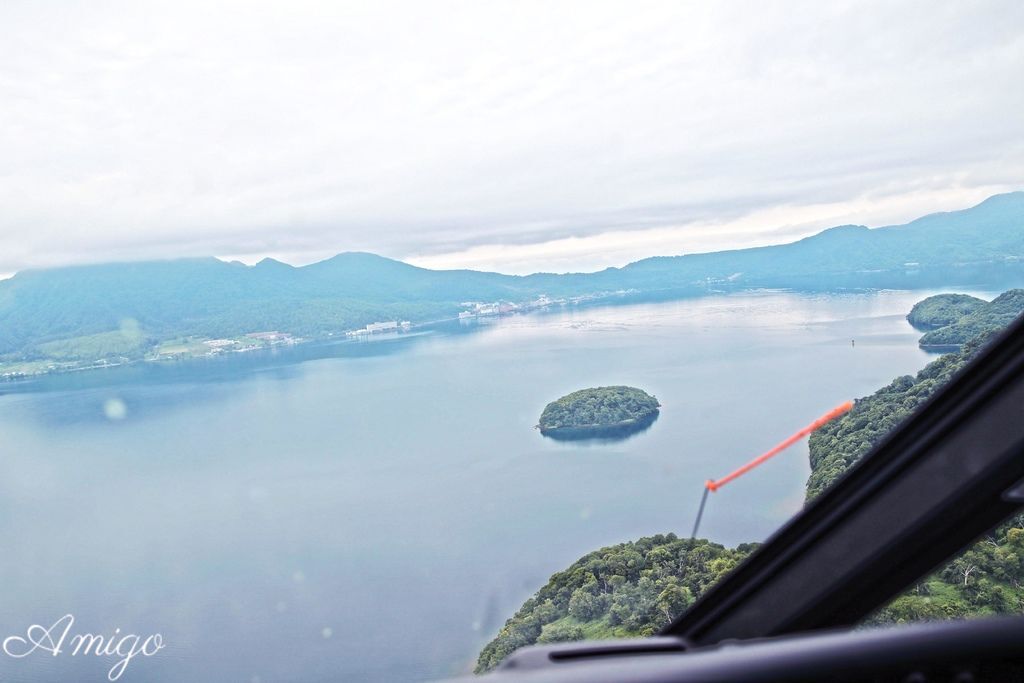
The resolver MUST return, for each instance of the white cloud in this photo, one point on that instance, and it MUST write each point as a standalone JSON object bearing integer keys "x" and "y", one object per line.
{"x": 774, "y": 225}
{"x": 504, "y": 134}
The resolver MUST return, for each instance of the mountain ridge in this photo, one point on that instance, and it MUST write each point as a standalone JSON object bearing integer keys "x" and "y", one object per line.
{"x": 205, "y": 297}
{"x": 1014, "y": 199}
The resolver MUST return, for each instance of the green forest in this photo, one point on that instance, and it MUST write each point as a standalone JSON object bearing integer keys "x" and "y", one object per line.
{"x": 630, "y": 589}
{"x": 634, "y": 589}
{"x": 942, "y": 309}
{"x": 977, "y": 320}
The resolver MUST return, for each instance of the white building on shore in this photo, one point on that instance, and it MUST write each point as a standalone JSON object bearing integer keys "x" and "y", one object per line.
{"x": 391, "y": 326}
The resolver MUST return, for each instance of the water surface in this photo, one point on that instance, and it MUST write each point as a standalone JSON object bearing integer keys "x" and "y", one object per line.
{"x": 375, "y": 511}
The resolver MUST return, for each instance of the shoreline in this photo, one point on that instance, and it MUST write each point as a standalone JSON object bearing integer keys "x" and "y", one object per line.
{"x": 597, "y": 299}
{"x": 342, "y": 336}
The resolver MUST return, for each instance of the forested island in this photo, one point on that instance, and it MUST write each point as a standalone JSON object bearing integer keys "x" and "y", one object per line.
{"x": 634, "y": 589}
{"x": 599, "y": 412}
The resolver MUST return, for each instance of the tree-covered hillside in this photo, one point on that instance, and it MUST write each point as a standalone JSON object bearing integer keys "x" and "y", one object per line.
{"x": 998, "y": 313}
{"x": 942, "y": 309}
{"x": 211, "y": 298}
{"x": 840, "y": 443}
{"x": 624, "y": 590}
{"x": 987, "y": 578}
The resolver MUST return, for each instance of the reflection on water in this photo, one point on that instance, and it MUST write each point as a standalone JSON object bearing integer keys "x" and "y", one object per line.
{"x": 602, "y": 435}
{"x": 374, "y": 511}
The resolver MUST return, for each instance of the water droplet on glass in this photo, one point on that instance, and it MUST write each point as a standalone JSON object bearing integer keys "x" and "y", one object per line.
{"x": 115, "y": 409}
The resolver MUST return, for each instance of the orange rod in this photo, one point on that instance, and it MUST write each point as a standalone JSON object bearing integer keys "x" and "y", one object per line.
{"x": 714, "y": 485}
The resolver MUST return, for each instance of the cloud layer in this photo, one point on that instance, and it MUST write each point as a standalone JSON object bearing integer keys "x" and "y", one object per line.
{"x": 511, "y": 135}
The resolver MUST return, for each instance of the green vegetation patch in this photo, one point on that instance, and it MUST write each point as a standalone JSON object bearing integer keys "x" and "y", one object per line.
{"x": 128, "y": 342}
{"x": 623, "y": 590}
{"x": 596, "y": 411}
{"x": 996, "y": 314}
{"x": 182, "y": 346}
{"x": 835, "y": 446}
{"x": 943, "y": 309}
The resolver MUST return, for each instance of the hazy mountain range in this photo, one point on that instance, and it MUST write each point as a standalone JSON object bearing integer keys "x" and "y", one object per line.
{"x": 151, "y": 301}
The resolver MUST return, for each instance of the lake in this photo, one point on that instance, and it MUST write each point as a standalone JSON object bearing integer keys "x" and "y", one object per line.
{"x": 373, "y": 511}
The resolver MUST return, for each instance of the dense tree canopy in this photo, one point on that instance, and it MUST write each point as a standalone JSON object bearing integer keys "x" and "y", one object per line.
{"x": 840, "y": 443}
{"x": 624, "y": 590}
{"x": 597, "y": 408}
{"x": 996, "y": 314}
{"x": 942, "y": 309}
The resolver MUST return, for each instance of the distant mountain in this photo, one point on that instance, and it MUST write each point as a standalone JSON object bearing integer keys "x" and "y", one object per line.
{"x": 992, "y": 231}
{"x": 211, "y": 298}
{"x": 89, "y": 307}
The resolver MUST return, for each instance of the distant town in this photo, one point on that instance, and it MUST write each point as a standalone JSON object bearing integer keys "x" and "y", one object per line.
{"x": 482, "y": 309}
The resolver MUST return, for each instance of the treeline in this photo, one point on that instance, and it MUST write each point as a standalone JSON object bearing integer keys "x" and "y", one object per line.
{"x": 658, "y": 577}
{"x": 840, "y": 443}
{"x": 630, "y": 589}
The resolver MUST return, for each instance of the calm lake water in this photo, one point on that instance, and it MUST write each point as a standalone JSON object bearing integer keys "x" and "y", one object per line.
{"x": 374, "y": 511}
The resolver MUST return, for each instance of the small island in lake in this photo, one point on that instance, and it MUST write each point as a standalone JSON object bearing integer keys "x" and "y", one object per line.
{"x": 599, "y": 412}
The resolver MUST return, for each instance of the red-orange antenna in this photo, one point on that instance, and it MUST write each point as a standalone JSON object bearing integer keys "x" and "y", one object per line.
{"x": 715, "y": 484}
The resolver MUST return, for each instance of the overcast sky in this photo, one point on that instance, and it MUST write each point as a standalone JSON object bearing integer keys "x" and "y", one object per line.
{"x": 512, "y": 136}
